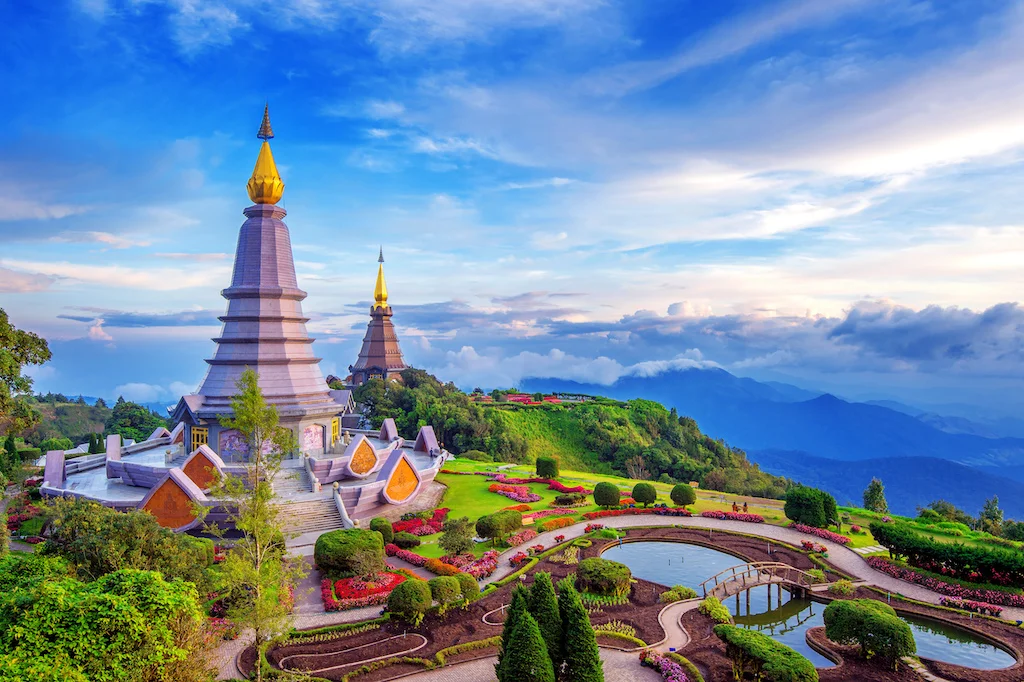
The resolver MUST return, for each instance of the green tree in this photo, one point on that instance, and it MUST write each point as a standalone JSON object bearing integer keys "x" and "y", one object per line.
{"x": 527, "y": 657}
{"x": 56, "y": 444}
{"x": 456, "y": 536}
{"x": 582, "y": 657}
{"x": 18, "y": 348}
{"x": 547, "y": 467}
{"x": 499, "y": 524}
{"x": 410, "y": 600}
{"x": 256, "y": 575}
{"x": 874, "y": 497}
{"x": 100, "y": 402}
{"x": 991, "y": 516}
{"x": 683, "y": 495}
{"x": 645, "y": 493}
{"x": 606, "y": 494}
{"x": 128, "y": 625}
{"x": 517, "y": 608}
{"x": 543, "y": 605}
{"x": 810, "y": 506}
{"x": 131, "y": 420}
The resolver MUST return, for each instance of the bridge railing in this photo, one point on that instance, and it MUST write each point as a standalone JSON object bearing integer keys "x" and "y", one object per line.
{"x": 757, "y": 573}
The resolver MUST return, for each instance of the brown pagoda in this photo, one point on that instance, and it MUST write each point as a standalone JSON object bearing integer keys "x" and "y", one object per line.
{"x": 380, "y": 356}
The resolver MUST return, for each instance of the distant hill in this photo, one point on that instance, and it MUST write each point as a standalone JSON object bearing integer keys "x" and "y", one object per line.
{"x": 762, "y": 417}
{"x": 909, "y": 482}
{"x": 69, "y": 420}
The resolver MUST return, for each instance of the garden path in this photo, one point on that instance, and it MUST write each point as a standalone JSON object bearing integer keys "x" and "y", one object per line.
{"x": 843, "y": 558}
{"x": 618, "y": 665}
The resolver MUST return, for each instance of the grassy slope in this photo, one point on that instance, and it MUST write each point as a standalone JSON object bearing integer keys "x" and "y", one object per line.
{"x": 550, "y": 433}
{"x": 70, "y": 420}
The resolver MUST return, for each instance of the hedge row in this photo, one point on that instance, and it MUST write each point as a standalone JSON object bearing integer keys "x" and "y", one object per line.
{"x": 766, "y": 659}
{"x": 977, "y": 564}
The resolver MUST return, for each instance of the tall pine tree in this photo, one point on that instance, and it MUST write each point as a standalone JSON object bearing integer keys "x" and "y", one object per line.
{"x": 517, "y": 608}
{"x": 582, "y": 658}
{"x": 543, "y": 607}
{"x": 527, "y": 655}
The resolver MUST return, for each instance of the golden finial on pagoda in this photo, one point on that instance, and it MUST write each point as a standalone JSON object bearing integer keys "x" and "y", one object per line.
{"x": 380, "y": 292}
{"x": 265, "y": 186}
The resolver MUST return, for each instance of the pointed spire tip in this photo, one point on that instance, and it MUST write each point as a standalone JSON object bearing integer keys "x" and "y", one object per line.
{"x": 265, "y": 132}
{"x": 380, "y": 258}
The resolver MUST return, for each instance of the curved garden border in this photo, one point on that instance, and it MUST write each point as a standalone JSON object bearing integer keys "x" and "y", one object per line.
{"x": 355, "y": 664}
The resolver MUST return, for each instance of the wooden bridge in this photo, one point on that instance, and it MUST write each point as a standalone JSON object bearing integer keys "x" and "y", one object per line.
{"x": 745, "y": 576}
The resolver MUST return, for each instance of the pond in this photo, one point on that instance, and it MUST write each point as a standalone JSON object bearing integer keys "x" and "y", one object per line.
{"x": 787, "y": 620}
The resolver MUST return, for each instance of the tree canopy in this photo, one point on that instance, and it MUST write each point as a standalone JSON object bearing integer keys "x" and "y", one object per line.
{"x": 18, "y": 348}
{"x": 133, "y": 421}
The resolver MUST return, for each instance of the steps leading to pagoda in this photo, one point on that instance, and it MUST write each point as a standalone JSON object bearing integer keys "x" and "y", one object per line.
{"x": 291, "y": 483}
{"x": 312, "y": 515}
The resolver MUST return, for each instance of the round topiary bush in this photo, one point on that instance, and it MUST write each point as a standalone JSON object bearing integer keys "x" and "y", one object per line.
{"x": 606, "y": 494}
{"x": 383, "y": 526}
{"x": 603, "y": 577}
{"x": 468, "y": 586}
{"x": 348, "y": 552}
{"x": 683, "y": 495}
{"x": 645, "y": 493}
{"x": 547, "y": 467}
{"x": 444, "y": 589}
{"x": 406, "y": 540}
{"x": 410, "y": 600}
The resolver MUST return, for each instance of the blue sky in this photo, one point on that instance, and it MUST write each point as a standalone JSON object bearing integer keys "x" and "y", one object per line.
{"x": 826, "y": 193}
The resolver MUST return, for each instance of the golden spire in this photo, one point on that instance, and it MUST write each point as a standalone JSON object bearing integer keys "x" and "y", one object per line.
{"x": 265, "y": 185}
{"x": 380, "y": 292}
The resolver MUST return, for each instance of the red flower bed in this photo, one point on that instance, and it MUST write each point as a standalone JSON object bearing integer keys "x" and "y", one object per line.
{"x": 559, "y": 538}
{"x": 555, "y": 524}
{"x": 518, "y": 508}
{"x": 656, "y": 511}
{"x": 353, "y": 588}
{"x": 942, "y": 587}
{"x": 591, "y": 527}
{"x": 626, "y": 501}
{"x": 518, "y": 559}
{"x": 484, "y": 566}
{"x": 418, "y": 526}
{"x": 536, "y": 549}
{"x": 564, "y": 489}
{"x": 813, "y": 546}
{"x": 821, "y": 533}
{"x": 734, "y": 516}
{"x": 521, "y": 537}
{"x": 459, "y": 560}
{"x": 552, "y": 483}
{"x": 405, "y": 555}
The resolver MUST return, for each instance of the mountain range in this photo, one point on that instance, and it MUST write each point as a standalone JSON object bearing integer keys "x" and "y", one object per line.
{"x": 821, "y": 439}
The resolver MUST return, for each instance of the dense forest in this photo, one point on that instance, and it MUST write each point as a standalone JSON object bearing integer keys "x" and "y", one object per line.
{"x": 73, "y": 418}
{"x": 638, "y": 438}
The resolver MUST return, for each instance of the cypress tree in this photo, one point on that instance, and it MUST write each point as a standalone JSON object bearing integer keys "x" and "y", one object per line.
{"x": 527, "y": 657}
{"x": 582, "y": 658}
{"x": 517, "y": 608}
{"x": 543, "y": 606}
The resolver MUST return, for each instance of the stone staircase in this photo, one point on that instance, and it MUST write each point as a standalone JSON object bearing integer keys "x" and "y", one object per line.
{"x": 319, "y": 514}
{"x": 292, "y": 482}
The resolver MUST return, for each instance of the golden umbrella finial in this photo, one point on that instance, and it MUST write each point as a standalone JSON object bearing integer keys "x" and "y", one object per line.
{"x": 380, "y": 291}
{"x": 265, "y": 185}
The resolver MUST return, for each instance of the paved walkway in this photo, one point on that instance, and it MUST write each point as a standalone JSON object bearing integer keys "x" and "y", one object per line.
{"x": 618, "y": 665}
{"x": 873, "y": 549}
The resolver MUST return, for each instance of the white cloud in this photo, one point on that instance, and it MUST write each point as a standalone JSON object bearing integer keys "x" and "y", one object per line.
{"x": 140, "y": 392}
{"x": 12, "y": 282}
{"x": 147, "y": 278}
{"x": 112, "y": 240}
{"x": 97, "y": 333}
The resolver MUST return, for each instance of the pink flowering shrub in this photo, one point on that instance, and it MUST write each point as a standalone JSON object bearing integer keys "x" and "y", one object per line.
{"x": 813, "y": 546}
{"x": 521, "y": 537}
{"x": 591, "y": 527}
{"x": 670, "y": 670}
{"x": 413, "y": 558}
{"x": 856, "y": 529}
{"x": 821, "y": 533}
{"x": 733, "y": 516}
{"x": 968, "y": 605}
{"x": 517, "y": 493}
{"x": 484, "y": 566}
{"x": 942, "y": 587}
{"x": 654, "y": 511}
{"x": 420, "y": 527}
{"x": 536, "y": 549}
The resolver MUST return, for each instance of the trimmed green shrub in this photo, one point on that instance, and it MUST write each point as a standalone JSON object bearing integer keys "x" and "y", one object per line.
{"x": 810, "y": 506}
{"x": 606, "y": 494}
{"x": 603, "y": 577}
{"x": 582, "y": 543}
{"x": 881, "y": 634}
{"x": 683, "y": 495}
{"x": 348, "y": 552}
{"x": 547, "y": 467}
{"x": 842, "y": 588}
{"x": 406, "y": 540}
{"x": 468, "y": 586}
{"x": 55, "y": 444}
{"x": 410, "y": 600}
{"x": 645, "y": 494}
{"x": 569, "y": 499}
{"x": 543, "y": 605}
{"x": 677, "y": 593}
{"x": 763, "y": 657}
{"x": 445, "y": 589}
{"x": 580, "y": 652}
{"x": 715, "y": 610}
{"x": 383, "y": 526}
{"x": 499, "y": 524}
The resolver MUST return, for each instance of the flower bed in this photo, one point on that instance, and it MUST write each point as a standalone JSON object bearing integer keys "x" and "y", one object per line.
{"x": 518, "y": 508}
{"x": 374, "y": 597}
{"x": 484, "y": 566}
{"x": 534, "y": 516}
{"x": 354, "y": 588}
{"x": 518, "y": 493}
{"x": 420, "y": 527}
{"x": 438, "y": 567}
{"x": 942, "y": 587}
{"x": 521, "y": 537}
{"x": 733, "y": 516}
{"x": 413, "y": 558}
{"x": 555, "y": 524}
{"x": 559, "y": 538}
{"x": 535, "y": 550}
{"x": 821, "y": 533}
{"x": 810, "y": 546}
{"x": 518, "y": 559}
{"x": 975, "y": 606}
{"x": 551, "y": 483}
{"x": 626, "y": 501}
{"x": 670, "y": 670}
{"x": 591, "y": 527}
{"x": 656, "y": 511}
{"x": 459, "y": 560}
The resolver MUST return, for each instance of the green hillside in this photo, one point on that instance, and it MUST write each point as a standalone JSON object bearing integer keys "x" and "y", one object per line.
{"x": 639, "y": 439}
{"x": 69, "y": 420}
